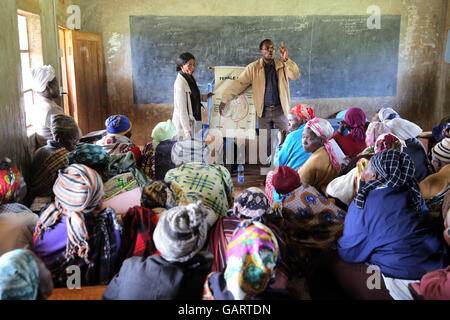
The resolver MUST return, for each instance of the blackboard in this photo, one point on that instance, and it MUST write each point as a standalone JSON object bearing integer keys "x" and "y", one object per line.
{"x": 338, "y": 56}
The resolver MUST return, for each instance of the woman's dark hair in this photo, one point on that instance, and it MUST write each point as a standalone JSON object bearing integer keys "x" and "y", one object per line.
{"x": 183, "y": 59}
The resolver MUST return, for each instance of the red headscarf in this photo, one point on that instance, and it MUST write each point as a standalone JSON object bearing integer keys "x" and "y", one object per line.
{"x": 356, "y": 119}
{"x": 303, "y": 111}
{"x": 9, "y": 180}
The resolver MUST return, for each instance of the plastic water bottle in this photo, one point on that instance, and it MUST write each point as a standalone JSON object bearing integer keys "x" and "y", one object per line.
{"x": 240, "y": 175}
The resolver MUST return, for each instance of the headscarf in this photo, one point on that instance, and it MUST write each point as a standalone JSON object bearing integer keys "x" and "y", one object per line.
{"x": 356, "y": 119}
{"x": 41, "y": 76}
{"x": 78, "y": 191}
{"x": 396, "y": 169}
{"x": 361, "y": 165}
{"x": 341, "y": 114}
{"x": 446, "y": 131}
{"x": 441, "y": 150}
{"x": 387, "y": 114}
{"x": 163, "y": 131}
{"x": 181, "y": 232}
{"x": 161, "y": 194}
{"x": 118, "y": 124}
{"x": 190, "y": 151}
{"x": 303, "y": 111}
{"x": 285, "y": 179}
{"x": 252, "y": 256}
{"x": 388, "y": 141}
{"x": 323, "y": 129}
{"x": 403, "y": 129}
{"x": 251, "y": 204}
{"x": 374, "y": 130}
{"x": 88, "y": 154}
{"x": 9, "y": 180}
{"x": 19, "y": 275}
{"x": 62, "y": 123}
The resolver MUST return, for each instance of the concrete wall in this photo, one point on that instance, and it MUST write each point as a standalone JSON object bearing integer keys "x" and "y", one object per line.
{"x": 422, "y": 77}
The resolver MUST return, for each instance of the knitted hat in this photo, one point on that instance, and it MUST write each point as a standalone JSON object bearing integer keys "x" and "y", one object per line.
{"x": 285, "y": 179}
{"x": 181, "y": 232}
{"x": 442, "y": 150}
{"x": 118, "y": 124}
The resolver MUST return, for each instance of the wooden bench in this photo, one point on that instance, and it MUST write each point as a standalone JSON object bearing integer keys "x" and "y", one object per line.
{"x": 84, "y": 293}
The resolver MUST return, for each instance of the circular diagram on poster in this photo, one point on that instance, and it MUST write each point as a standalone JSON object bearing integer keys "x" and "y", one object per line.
{"x": 237, "y": 109}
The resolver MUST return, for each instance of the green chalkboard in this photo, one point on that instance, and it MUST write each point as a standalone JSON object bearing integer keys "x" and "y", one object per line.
{"x": 338, "y": 56}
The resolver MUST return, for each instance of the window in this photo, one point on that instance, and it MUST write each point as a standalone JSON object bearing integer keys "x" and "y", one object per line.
{"x": 30, "y": 45}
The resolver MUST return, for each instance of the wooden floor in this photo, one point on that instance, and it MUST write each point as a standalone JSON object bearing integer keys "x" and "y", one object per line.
{"x": 253, "y": 178}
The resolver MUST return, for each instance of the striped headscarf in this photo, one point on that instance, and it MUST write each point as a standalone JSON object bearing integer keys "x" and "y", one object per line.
{"x": 388, "y": 141}
{"x": 88, "y": 154}
{"x": 303, "y": 111}
{"x": 62, "y": 123}
{"x": 323, "y": 129}
{"x": 356, "y": 119}
{"x": 181, "y": 232}
{"x": 9, "y": 180}
{"x": 252, "y": 256}
{"x": 374, "y": 130}
{"x": 396, "y": 169}
{"x": 19, "y": 276}
{"x": 78, "y": 191}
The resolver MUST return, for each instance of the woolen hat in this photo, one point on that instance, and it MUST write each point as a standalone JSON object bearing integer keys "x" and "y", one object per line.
{"x": 285, "y": 179}
{"x": 442, "y": 150}
{"x": 118, "y": 124}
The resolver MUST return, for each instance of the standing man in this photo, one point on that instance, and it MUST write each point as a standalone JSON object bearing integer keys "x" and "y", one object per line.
{"x": 268, "y": 77}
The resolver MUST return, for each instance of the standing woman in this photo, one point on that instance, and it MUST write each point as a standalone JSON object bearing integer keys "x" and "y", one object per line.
{"x": 187, "y": 98}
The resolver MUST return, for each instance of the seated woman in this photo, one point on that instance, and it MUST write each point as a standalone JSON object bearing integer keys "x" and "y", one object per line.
{"x": 434, "y": 187}
{"x": 117, "y": 140}
{"x": 354, "y": 142}
{"x": 386, "y": 114}
{"x": 156, "y": 156}
{"x": 71, "y": 230}
{"x": 374, "y": 130}
{"x": 324, "y": 163}
{"x": 181, "y": 268}
{"x": 290, "y": 149}
{"x": 91, "y": 155}
{"x": 200, "y": 181}
{"x": 139, "y": 222}
{"x": 346, "y": 186}
{"x": 23, "y": 276}
{"x": 252, "y": 258}
{"x": 408, "y": 131}
{"x": 48, "y": 159}
{"x": 16, "y": 220}
{"x": 389, "y": 227}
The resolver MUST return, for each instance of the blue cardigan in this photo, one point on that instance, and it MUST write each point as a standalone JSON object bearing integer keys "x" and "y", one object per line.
{"x": 388, "y": 233}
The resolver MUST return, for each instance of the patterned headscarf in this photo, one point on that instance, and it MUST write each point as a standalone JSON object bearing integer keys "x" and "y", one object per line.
{"x": 41, "y": 76}
{"x": 78, "y": 191}
{"x": 323, "y": 129}
{"x": 88, "y": 154}
{"x": 62, "y": 123}
{"x": 446, "y": 131}
{"x": 361, "y": 165}
{"x": 387, "y": 114}
{"x": 396, "y": 170}
{"x": 161, "y": 194}
{"x": 163, "y": 131}
{"x": 303, "y": 111}
{"x": 181, "y": 232}
{"x": 9, "y": 180}
{"x": 19, "y": 276}
{"x": 388, "y": 141}
{"x": 403, "y": 129}
{"x": 186, "y": 151}
{"x": 252, "y": 204}
{"x": 252, "y": 256}
{"x": 356, "y": 119}
{"x": 374, "y": 130}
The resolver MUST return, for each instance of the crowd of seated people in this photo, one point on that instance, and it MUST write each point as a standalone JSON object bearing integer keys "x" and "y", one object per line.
{"x": 163, "y": 222}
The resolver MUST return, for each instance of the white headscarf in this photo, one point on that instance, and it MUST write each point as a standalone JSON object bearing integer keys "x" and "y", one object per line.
{"x": 387, "y": 114}
{"x": 40, "y": 76}
{"x": 403, "y": 129}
